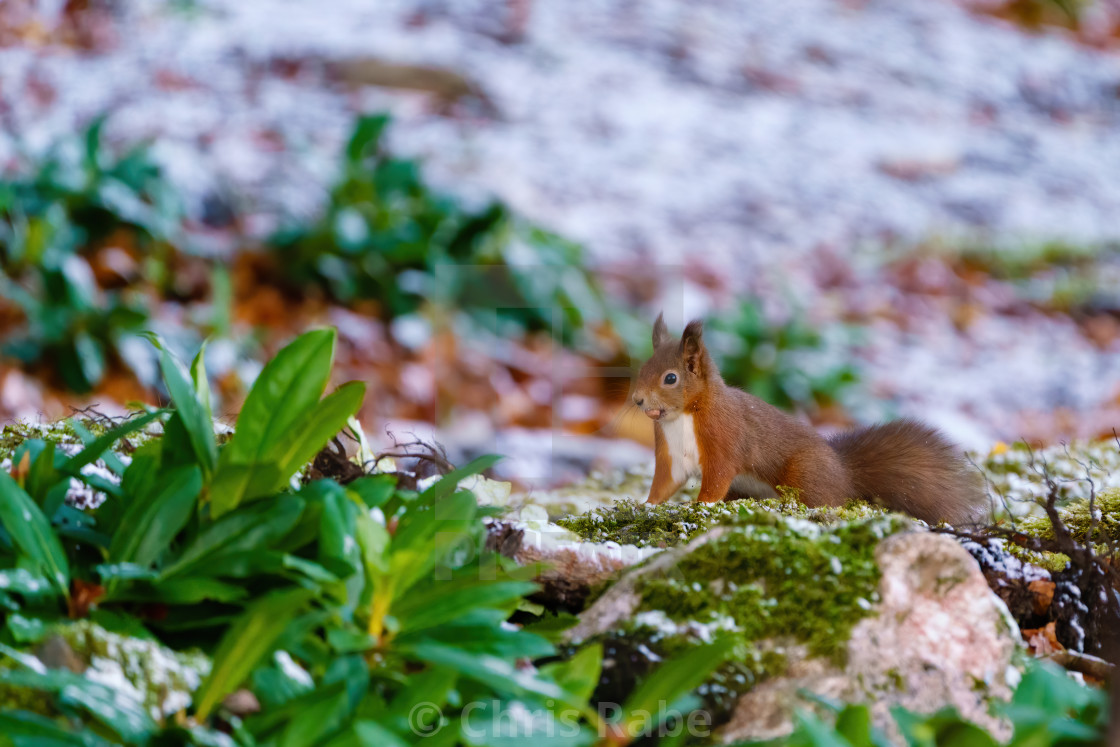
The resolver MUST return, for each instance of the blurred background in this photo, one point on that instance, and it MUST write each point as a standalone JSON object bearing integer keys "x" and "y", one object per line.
{"x": 880, "y": 208}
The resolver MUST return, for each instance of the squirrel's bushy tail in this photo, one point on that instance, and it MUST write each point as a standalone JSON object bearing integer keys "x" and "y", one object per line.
{"x": 907, "y": 466}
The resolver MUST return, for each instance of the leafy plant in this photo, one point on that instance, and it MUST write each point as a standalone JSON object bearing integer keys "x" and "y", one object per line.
{"x": 76, "y": 196}
{"x": 379, "y": 599}
{"x": 387, "y": 236}
{"x": 787, "y": 364}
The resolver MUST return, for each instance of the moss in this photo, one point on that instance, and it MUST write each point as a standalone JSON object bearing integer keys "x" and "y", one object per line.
{"x": 770, "y": 582}
{"x": 1015, "y": 472}
{"x": 1077, "y": 519}
{"x": 628, "y": 522}
{"x": 777, "y": 579}
{"x": 59, "y": 432}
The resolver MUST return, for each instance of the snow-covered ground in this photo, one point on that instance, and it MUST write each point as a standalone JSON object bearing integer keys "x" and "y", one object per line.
{"x": 736, "y": 139}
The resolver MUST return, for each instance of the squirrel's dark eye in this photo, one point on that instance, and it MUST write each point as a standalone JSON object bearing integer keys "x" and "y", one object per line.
{"x": 670, "y": 379}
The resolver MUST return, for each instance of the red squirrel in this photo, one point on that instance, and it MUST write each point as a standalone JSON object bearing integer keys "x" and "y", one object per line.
{"x": 735, "y": 440}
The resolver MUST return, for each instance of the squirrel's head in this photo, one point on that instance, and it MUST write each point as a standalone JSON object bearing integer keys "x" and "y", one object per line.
{"x": 675, "y": 374}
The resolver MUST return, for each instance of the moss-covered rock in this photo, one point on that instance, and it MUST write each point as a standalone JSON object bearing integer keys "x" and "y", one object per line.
{"x": 801, "y": 599}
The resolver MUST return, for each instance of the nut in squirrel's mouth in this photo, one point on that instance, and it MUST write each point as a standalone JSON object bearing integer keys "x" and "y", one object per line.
{"x": 654, "y": 413}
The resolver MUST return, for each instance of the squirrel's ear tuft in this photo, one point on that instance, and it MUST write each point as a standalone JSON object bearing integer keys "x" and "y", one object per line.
{"x": 692, "y": 346}
{"x": 660, "y": 331}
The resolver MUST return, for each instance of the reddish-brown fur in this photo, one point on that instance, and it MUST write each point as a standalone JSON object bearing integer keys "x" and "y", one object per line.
{"x": 904, "y": 465}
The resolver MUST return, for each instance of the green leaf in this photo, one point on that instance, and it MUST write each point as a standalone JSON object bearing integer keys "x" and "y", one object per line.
{"x": 287, "y": 387}
{"x": 854, "y": 724}
{"x": 202, "y": 386}
{"x": 286, "y": 390}
{"x": 318, "y": 426}
{"x": 32, "y": 534}
{"x": 675, "y": 678}
{"x": 498, "y": 673}
{"x": 194, "y": 413}
{"x": 93, "y": 451}
{"x": 26, "y": 729}
{"x": 444, "y": 601}
{"x": 150, "y": 524}
{"x": 249, "y": 639}
{"x": 578, "y": 675}
{"x": 367, "y": 132}
{"x": 250, "y": 529}
{"x": 365, "y": 732}
{"x": 195, "y": 589}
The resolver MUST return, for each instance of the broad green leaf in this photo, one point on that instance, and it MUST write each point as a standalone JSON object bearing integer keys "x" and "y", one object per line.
{"x": 329, "y": 716}
{"x": 444, "y": 601}
{"x": 365, "y": 732}
{"x": 500, "y": 674}
{"x": 367, "y": 132}
{"x": 250, "y": 529}
{"x": 267, "y": 723}
{"x": 316, "y": 428}
{"x": 433, "y": 685}
{"x": 854, "y": 724}
{"x": 44, "y": 475}
{"x": 202, "y": 386}
{"x": 26, "y": 729}
{"x": 289, "y": 386}
{"x": 578, "y": 675}
{"x": 287, "y": 389}
{"x": 234, "y": 484}
{"x": 194, "y": 589}
{"x": 374, "y": 490}
{"x": 478, "y": 632}
{"x": 93, "y": 451}
{"x": 248, "y": 640}
{"x": 150, "y": 524}
{"x": 192, "y": 411}
{"x": 675, "y": 678}
{"x": 32, "y": 534}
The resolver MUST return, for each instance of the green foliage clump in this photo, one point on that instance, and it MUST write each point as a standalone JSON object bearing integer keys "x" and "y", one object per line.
{"x": 77, "y": 195}
{"x": 1048, "y": 709}
{"x": 388, "y": 236}
{"x": 630, "y": 522}
{"x": 342, "y": 607}
{"x": 786, "y": 364}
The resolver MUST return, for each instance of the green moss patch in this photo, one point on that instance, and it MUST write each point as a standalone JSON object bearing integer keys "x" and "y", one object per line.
{"x": 1080, "y": 522}
{"x": 770, "y": 582}
{"x": 630, "y": 522}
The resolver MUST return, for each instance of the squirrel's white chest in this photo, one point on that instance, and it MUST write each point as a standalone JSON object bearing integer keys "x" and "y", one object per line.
{"x": 684, "y": 454}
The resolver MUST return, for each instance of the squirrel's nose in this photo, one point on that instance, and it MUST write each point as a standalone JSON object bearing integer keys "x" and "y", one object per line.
{"x": 639, "y": 402}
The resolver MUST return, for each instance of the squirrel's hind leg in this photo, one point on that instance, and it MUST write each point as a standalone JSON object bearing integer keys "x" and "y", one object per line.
{"x": 818, "y": 477}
